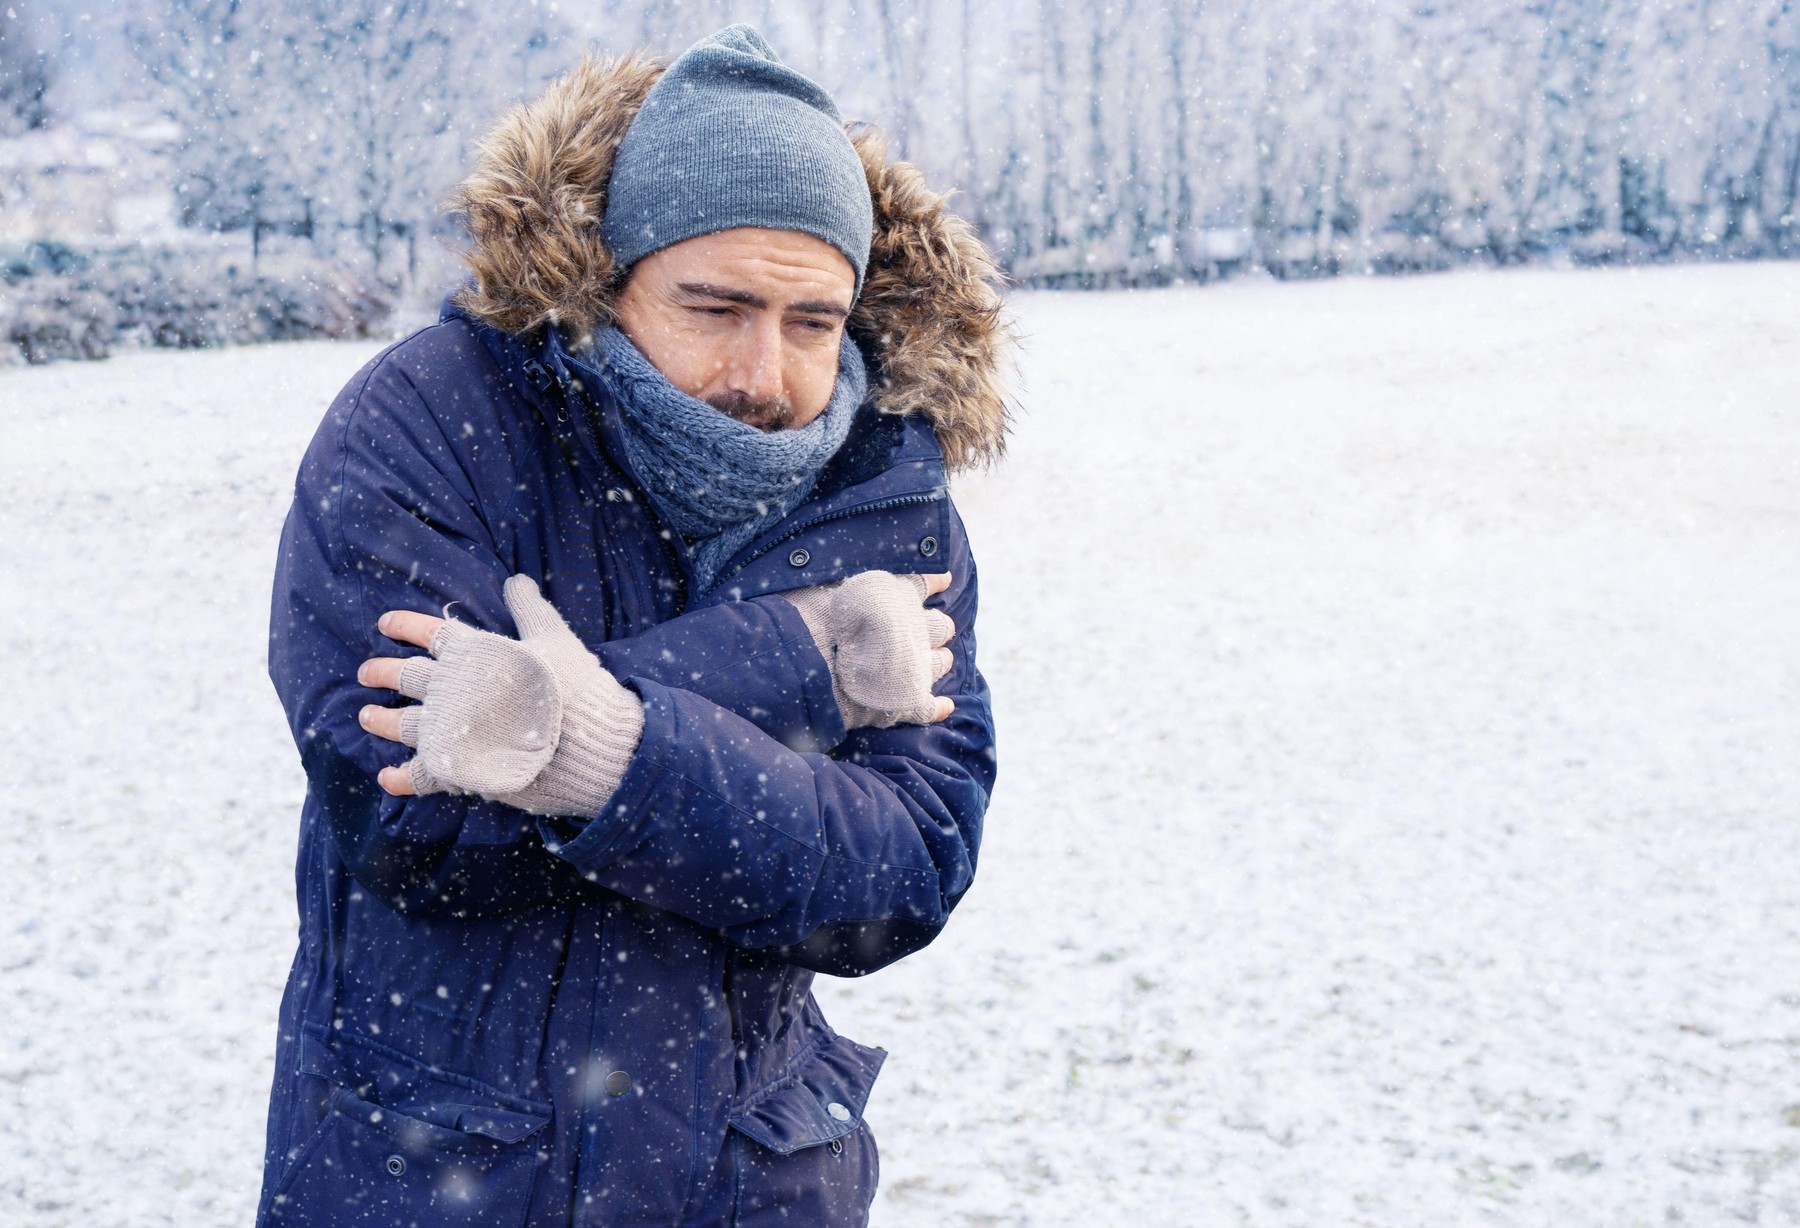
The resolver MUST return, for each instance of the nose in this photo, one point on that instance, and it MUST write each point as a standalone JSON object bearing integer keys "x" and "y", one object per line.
{"x": 756, "y": 371}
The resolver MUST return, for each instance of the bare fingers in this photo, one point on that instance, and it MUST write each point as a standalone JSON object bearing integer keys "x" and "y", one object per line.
{"x": 396, "y": 780}
{"x": 409, "y": 627}
{"x": 408, "y": 675}
{"x": 388, "y": 723}
{"x": 941, "y": 661}
{"x": 381, "y": 672}
{"x": 382, "y": 722}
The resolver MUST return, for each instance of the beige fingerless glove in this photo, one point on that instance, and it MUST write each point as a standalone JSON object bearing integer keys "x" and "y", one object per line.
{"x": 535, "y": 722}
{"x": 878, "y": 639}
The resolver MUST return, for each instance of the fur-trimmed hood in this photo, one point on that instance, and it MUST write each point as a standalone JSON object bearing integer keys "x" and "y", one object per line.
{"x": 929, "y": 319}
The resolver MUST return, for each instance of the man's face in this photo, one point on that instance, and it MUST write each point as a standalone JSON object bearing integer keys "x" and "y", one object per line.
{"x": 747, "y": 320}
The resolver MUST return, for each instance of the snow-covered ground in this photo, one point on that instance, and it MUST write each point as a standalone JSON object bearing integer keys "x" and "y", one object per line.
{"x": 1399, "y": 694}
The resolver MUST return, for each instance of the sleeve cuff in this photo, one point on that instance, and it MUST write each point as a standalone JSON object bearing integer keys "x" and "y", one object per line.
{"x": 588, "y": 843}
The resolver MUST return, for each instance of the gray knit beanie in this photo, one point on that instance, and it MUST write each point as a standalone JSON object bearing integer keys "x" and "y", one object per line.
{"x": 730, "y": 136}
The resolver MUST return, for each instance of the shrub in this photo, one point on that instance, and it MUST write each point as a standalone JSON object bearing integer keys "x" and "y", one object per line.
{"x": 62, "y": 304}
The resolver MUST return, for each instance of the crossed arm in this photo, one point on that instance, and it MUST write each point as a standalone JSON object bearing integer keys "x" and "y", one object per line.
{"x": 840, "y": 861}
{"x": 540, "y": 724}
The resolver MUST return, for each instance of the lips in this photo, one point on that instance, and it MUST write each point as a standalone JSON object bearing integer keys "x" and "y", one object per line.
{"x": 764, "y": 416}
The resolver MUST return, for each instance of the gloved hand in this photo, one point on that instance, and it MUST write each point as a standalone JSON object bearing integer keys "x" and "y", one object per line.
{"x": 535, "y": 722}
{"x": 884, "y": 647}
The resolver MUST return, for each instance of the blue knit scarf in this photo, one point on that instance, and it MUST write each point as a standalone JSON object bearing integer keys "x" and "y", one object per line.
{"x": 718, "y": 481}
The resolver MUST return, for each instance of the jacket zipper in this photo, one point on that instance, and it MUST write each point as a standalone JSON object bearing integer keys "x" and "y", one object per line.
{"x": 879, "y": 505}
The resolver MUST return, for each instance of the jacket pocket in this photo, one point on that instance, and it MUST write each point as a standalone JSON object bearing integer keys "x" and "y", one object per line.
{"x": 401, "y": 1142}
{"x": 820, "y": 1099}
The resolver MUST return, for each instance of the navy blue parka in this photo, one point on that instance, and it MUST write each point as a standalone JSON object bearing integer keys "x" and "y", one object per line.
{"x": 607, "y": 1020}
{"x": 498, "y": 1019}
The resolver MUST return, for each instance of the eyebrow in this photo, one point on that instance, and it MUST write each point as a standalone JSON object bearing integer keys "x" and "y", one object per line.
{"x": 815, "y": 307}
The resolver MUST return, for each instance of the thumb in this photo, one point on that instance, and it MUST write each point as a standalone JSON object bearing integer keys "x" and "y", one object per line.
{"x": 534, "y": 616}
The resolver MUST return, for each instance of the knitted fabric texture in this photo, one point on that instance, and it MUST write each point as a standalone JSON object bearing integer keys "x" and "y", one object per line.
{"x": 718, "y": 481}
{"x": 730, "y": 136}
{"x": 878, "y": 639}
{"x": 535, "y": 722}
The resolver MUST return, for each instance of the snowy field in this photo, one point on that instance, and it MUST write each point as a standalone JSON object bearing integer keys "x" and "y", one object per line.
{"x": 1399, "y": 695}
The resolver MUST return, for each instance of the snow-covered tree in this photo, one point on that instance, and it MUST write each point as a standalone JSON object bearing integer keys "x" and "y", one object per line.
{"x": 335, "y": 116}
{"x": 24, "y": 75}
{"x": 1093, "y": 141}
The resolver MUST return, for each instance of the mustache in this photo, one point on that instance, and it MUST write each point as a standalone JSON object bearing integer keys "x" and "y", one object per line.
{"x": 772, "y": 415}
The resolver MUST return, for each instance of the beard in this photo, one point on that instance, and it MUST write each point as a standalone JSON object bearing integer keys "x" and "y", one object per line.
{"x": 776, "y": 415}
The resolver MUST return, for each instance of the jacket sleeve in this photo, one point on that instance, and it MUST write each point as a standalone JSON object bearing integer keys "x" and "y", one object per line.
{"x": 754, "y": 657}
{"x": 843, "y": 862}
{"x": 385, "y": 517}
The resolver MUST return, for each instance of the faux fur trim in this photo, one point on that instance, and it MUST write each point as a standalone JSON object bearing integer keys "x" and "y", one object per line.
{"x": 534, "y": 203}
{"x": 930, "y": 316}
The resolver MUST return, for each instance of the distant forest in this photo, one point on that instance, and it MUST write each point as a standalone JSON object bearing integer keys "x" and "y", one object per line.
{"x": 1132, "y": 142}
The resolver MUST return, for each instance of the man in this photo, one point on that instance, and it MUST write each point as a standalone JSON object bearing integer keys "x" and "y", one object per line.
{"x": 663, "y": 495}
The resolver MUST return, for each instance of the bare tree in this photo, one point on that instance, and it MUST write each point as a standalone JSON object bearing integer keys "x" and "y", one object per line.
{"x": 1095, "y": 140}
{"x": 24, "y": 76}
{"x": 904, "y": 30}
{"x": 383, "y": 77}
